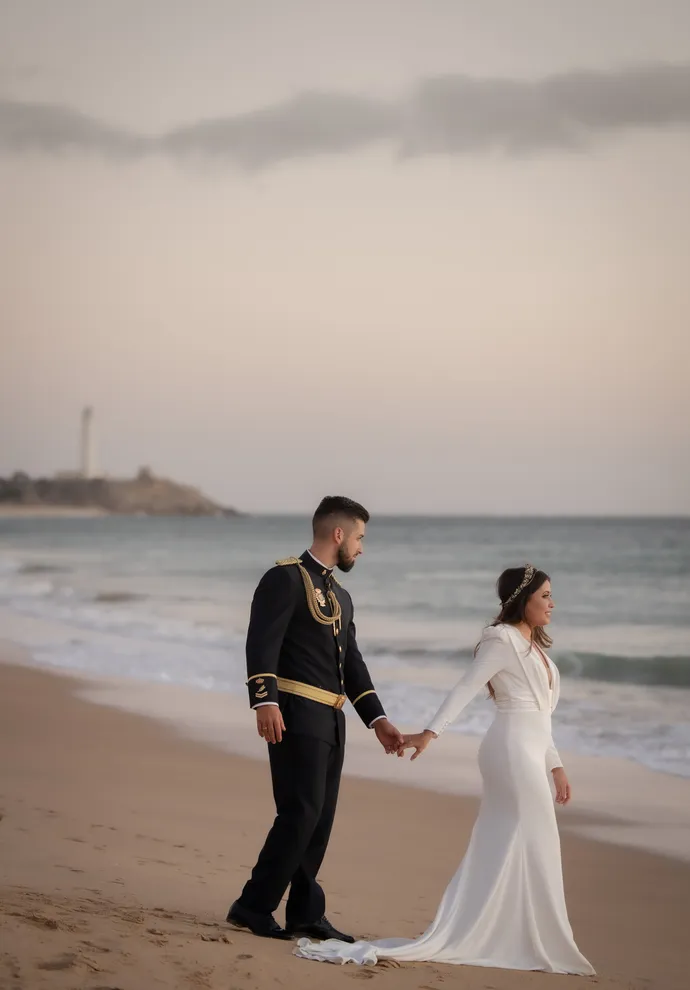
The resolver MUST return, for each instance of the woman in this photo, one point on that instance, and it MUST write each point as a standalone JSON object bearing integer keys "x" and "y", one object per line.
{"x": 505, "y": 906}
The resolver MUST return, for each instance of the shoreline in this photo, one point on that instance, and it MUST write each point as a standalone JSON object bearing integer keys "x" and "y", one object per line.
{"x": 616, "y": 801}
{"x": 125, "y": 843}
{"x": 9, "y": 511}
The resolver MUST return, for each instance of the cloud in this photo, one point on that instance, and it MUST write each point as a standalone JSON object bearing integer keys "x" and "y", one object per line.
{"x": 314, "y": 123}
{"x": 449, "y": 115}
{"x": 457, "y": 114}
{"x": 47, "y": 128}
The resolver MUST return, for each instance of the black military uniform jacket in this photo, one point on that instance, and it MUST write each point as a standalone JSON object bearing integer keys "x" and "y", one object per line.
{"x": 284, "y": 640}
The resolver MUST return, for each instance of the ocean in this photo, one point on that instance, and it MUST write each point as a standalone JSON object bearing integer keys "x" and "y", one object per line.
{"x": 167, "y": 600}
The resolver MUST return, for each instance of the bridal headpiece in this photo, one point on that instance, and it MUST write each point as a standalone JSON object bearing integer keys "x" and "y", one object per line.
{"x": 530, "y": 571}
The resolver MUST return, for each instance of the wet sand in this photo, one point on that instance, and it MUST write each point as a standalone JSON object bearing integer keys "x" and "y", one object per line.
{"x": 123, "y": 844}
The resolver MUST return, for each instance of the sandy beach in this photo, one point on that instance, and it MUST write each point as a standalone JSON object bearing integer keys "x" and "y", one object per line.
{"x": 10, "y": 510}
{"x": 123, "y": 844}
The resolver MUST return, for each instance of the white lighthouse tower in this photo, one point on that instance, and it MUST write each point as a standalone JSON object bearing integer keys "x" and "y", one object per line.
{"x": 88, "y": 465}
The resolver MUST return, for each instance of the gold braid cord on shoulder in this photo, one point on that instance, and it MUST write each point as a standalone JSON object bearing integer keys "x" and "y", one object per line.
{"x": 312, "y": 601}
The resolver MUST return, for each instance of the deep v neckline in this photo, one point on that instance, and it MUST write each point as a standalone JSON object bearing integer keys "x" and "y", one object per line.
{"x": 544, "y": 660}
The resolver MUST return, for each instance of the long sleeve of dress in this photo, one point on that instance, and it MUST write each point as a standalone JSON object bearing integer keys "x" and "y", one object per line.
{"x": 553, "y": 760}
{"x": 494, "y": 654}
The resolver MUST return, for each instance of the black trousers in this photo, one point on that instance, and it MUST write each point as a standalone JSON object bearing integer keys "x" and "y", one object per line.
{"x": 306, "y": 778}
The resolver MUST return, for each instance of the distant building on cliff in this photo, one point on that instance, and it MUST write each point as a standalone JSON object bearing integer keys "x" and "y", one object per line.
{"x": 87, "y": 488}
{"x": 87, "y": 450}
{"x": 88, "y": 454}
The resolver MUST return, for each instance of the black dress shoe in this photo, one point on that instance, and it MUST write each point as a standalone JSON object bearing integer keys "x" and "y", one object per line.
{"x": 263, "y": 925}
{"x": 322, "y": 930}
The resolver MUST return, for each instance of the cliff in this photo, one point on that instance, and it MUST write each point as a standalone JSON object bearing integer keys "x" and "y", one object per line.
{"x": 144, "y": 495}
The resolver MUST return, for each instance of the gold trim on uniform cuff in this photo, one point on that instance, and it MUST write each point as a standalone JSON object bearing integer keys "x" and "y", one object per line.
{"x": 363, "y": 695}
{"x": 254, "y": 677}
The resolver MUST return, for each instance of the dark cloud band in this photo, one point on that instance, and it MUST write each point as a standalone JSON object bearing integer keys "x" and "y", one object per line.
{"x": 449, "y": 115}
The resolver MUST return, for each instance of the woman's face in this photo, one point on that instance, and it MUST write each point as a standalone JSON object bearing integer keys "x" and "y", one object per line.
{"x": 539, "y": 607}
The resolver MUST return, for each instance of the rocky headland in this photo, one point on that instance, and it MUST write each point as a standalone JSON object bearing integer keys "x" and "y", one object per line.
{"x": 146, "y": 494}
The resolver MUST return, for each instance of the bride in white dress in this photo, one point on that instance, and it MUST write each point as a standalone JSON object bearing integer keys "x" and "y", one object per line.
{"x": 505, "y": 906}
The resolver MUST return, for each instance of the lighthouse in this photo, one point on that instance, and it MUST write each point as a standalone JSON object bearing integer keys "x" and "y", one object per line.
{"x": 88, "y": 466}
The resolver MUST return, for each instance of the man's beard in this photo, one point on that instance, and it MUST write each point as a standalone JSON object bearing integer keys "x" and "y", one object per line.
{"x": 344, "y": 563}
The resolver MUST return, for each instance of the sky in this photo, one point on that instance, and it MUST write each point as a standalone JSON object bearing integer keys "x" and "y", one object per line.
{"x": 431, "y": 255}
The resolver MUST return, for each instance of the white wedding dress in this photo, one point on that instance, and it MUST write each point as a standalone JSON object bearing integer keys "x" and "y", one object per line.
{"x": 505, "y": 906}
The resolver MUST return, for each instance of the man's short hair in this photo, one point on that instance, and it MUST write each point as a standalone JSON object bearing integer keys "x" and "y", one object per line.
{"x": 333, "y": 507}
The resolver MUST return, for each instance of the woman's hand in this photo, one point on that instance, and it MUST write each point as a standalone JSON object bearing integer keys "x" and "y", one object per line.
{"x": 560, "y": 779}
{"x": 418, "y": 742}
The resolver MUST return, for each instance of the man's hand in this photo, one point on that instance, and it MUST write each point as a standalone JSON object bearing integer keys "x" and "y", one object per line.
{"x": 269, "y": 723}
{"x": 563, "y": 793}
{"x": 387, "y": 734}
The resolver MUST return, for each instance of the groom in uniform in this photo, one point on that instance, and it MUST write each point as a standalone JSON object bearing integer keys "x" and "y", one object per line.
{"x": 303, "y": 662}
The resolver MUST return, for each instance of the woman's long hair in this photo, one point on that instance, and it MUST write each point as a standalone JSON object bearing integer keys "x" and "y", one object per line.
{"x": 514, "y": 612}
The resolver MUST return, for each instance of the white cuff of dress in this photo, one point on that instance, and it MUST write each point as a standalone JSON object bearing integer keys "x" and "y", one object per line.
{"x": 262, "y": 704}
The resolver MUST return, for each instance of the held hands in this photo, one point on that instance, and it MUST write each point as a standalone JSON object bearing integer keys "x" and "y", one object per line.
{"x": 270, "y": 726}
{"x": 563, "y": 793}
{"x": 269, "y": 723}
{"x": 390, "y": 738}
{"x": 418, "y": 742}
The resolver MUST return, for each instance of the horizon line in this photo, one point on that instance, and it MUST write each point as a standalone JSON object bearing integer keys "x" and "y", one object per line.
{"x": 484, "y": 516}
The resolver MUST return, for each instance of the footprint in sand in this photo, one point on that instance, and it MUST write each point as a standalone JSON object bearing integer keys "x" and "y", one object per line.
{"x": 37, "y": 919}
{"x": 65, "y": 961}
{"x": 10, "y": 965}
{"x": 94, "y": 946}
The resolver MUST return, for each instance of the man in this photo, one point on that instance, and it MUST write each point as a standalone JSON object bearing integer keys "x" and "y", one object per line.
{"x": 302, "y": 663}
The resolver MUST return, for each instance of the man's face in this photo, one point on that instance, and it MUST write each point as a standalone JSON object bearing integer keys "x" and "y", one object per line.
{"x": 350, "y": 537}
